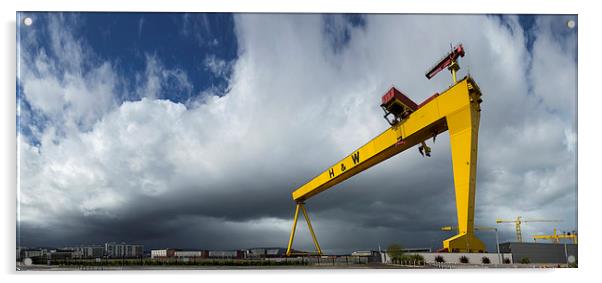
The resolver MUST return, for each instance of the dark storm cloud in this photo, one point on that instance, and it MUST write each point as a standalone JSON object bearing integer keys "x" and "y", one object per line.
{"x": 219, "y": 173}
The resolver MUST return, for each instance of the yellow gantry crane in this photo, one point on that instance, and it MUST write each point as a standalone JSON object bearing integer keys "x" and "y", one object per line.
{"x": 518, "y": 221}
{"x": 457, "y": 109}
{"x": 556, "y": 237}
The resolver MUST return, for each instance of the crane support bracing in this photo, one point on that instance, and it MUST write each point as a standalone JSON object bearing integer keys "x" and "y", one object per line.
{"x": 457, "y": 110}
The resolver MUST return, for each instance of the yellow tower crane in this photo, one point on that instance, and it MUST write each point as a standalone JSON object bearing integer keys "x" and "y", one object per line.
{"x": 476, "y": 228}
{"x": 456, "y": 109}
{"x": 556, "y": 237}
{"x": 518, "y": 221}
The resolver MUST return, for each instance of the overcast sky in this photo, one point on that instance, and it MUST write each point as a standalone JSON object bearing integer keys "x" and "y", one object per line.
{"x": 192, "y": 130}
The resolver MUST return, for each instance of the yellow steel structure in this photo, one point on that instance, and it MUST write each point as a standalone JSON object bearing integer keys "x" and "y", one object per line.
{"x": 476, "y": 228}
{"x": 518, "y": 221}
{"x": 556, "y": 237}
{"x": 458, "y": 110}
{"x": 300, "y": 205}
{"x": 480, "y": 228}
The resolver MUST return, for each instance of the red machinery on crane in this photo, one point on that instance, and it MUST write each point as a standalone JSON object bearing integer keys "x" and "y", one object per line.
{"x": 395, "y": 103}
{"x": 449, "y": 61}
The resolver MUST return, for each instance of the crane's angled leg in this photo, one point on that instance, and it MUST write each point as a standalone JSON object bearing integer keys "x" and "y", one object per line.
{"x": 290, "y": 241}
{"x": 311, "y": 230}
{"x": 463, "y": 128}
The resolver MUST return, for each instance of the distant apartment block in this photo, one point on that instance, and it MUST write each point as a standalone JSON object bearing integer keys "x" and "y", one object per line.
{"x": 123, "y": 250}
{"x": 87, "y": 251}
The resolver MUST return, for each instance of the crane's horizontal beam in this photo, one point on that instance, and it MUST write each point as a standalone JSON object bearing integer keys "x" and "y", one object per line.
{"x": 477, "y": 228}
{"x": 426, "y": 121}
{"x": 523, "y": 221}
{"x": 377, "y": 150}
{"x": 506, "y": 221}
{"x": 536, "y": 220}
{"x": 547, "y": 237}
{"x": 551, "y": 237}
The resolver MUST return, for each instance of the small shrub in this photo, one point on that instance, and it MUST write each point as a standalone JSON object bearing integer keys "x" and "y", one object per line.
{"x": 525, "y": 260}
{"x": 439, "y": 259}
{"x": 405, "y": 259}
{"x": 507, "y": 261}
{"x": 485, "y": 260}
{"x": 464, "y": 259}
{"x": 416, "y": 259}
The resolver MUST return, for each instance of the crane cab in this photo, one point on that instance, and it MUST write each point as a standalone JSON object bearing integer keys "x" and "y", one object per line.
{"x": 397, "y": 104}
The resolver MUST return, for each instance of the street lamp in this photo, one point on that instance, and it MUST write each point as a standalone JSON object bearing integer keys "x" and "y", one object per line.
{"x": 497, "y": 245}
{"x": 566, "y": 254}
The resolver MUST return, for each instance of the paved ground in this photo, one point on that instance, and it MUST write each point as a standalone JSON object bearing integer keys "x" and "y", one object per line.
{"x": 280, "y": 267}
{"x": 197, "y": 267}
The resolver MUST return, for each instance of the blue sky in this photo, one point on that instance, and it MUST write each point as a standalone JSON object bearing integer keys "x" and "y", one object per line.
{"x": 137, "y": 123}
{"x": 201, "y": 45}
{"x": 181, "y": 40}
{"x": 184, "y": 41}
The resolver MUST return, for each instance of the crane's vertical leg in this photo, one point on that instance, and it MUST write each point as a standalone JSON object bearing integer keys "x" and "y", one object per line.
{"x": 519, "y": 233}
{"x": 463, "y": 128}
{"x": 311, "y": 230}
{"x": 290, "y": 241}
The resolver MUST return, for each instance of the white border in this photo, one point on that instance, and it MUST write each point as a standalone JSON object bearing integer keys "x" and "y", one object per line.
{"x": 309, "y": 6}
{"x": 588, "y": 103}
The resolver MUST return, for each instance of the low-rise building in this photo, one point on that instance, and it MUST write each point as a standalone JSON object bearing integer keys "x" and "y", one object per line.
{"x": 540, "y": 252}
{"x": 31, "y": 253}
{"x": 371, "y": 256}
{"x": 265, "y": 252}
{"x": 63, "y": 254}
{"x": 225, "y": 254}
{"x": 163, "y": 253}
{"x": 191, "y": 254}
